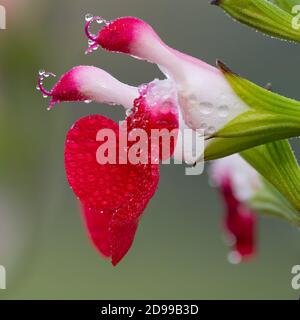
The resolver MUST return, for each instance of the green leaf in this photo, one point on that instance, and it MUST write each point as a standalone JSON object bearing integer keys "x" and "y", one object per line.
{"x": 272, "y": 19}
{"x": 270, "y": 117}
{"x": 276, "y": 162}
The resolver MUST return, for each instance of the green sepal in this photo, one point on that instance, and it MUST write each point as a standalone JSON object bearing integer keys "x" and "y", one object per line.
{"x": 276, "y": 162}
{"x": 286, "y": 5}
{"x": 269, "y": 201}
{"x": 270, "y": 117}
{"x": 270, "y": 18}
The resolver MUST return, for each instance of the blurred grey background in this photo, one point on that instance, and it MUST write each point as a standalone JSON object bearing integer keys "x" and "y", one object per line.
{"x": 178, "y": 252}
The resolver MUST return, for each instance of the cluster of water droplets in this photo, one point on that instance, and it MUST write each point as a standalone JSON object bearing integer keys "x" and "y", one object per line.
{"x": 42, "y": 75}
{"x": 161, "y": 94}
{"x": 198, "y": 112}
{"x": 92, "y": 42}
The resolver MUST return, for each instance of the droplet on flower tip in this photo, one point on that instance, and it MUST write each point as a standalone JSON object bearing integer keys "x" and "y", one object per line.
{"x": 91, "y": 42}
{"x": 45, "y": 96}
{"x": 100, "y": 20}
{"x": 87, "y": 101}
{"x": 95, "y": 48}
{"x": 234, "y": 257}
{"x": 41, "y": 72}
{"x": 46, "y": 74}
{"x": 38, "y": 88}
{"x": 88, "y": 17}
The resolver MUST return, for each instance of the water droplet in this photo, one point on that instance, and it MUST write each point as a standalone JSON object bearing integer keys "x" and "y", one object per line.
{"x": 206, "y": 107}
{"x": 38, "y": 87}
{"x": 128, "y": 112}
{"x": 223, "y": 111}
{"x": 88, "y": 17}
{"x": 41, "y": 72}
{"x": 166, "y": 107}
{"x": 45, "y": 96}
{"x": 203, "y": 126}
{"x": 192, "y": 98}
{"x": 95, "y": 48}
{"x": 91, "y": 42}
{"x": 87, "y": 101}
{"x": 211, "y": 130}
{"x": 100, "y": 20}
{"x": 46, "y": 74}
{"x": 234, "y": 257}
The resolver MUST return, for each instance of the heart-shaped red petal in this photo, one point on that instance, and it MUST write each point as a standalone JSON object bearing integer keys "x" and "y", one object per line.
{"x": 113, "y": 195}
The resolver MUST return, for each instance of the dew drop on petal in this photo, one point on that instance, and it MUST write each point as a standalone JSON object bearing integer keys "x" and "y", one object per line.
{"x": 45, "y": 96}
{"x": 87, "y": 101}
{"x": 128, "y": 112}
{"x": 100, "y": 20}
{"x": 42, "y": 72}
{"x": 203, "y": 126}
{"x": 223, "y": 111}
{"x": 206, "y": 107}
{"x": 211, "y": 130}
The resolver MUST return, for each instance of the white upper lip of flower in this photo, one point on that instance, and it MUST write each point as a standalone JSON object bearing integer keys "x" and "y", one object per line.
{"x": 207, "y": 101}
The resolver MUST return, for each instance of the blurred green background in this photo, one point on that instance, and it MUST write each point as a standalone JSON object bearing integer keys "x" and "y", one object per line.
{"x": 178, "y": 252}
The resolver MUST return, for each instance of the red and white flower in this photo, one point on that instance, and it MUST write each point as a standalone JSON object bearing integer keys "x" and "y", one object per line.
{"x": 238, "y": 182}
{"x": 113, "y": 196}
{"x": 194, "y": 96}
{"x": 206, "y": 99}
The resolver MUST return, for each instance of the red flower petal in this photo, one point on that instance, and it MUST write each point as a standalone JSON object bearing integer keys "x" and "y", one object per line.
{"x": 240, "y": 222}
{"x": 120, "y": 34}
{"x": 162, "y": 114}
{"x": 113, "y": 195}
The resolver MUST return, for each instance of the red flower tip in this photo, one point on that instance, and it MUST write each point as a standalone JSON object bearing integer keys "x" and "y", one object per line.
{"x": 240, "y": 225}
{"x": 124, "y": 35}
{"x": 121, "y": 34}
{"x": 88, "y": 83}
{"x": 66, "y": 89}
